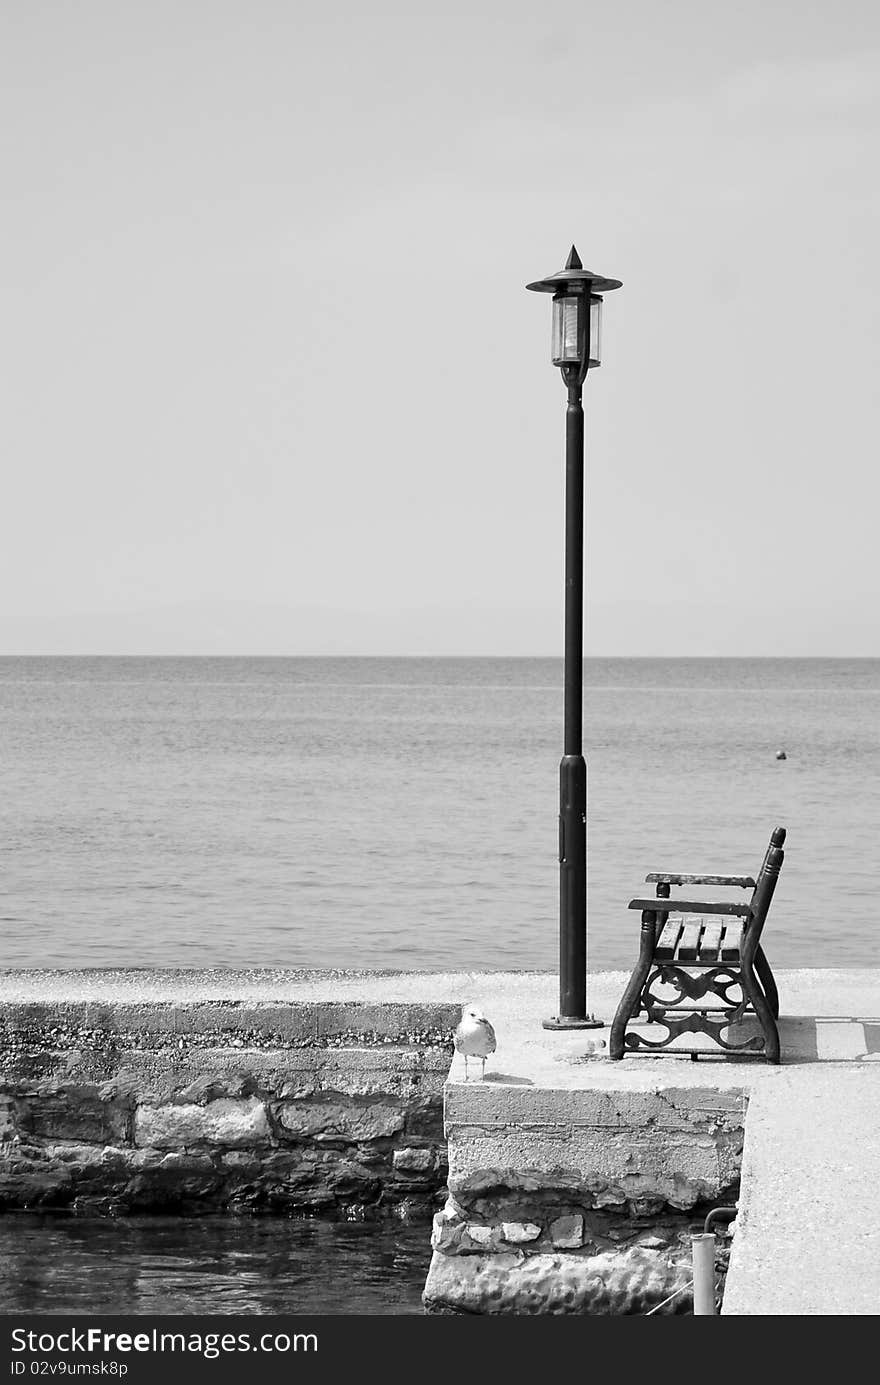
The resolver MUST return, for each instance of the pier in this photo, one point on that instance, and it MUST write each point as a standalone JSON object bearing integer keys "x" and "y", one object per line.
{"x": 557, "y": 1183}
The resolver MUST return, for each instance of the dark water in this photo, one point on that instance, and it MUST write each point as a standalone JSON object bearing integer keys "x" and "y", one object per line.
{"x": 402, "y": 813}
{"x": 52, "y": 1263}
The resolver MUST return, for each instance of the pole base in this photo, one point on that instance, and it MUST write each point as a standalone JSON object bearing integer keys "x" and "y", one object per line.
{"x": 572, "y": 1022}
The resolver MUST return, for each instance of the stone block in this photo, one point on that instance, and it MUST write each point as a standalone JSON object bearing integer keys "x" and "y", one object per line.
{"x": 447, "y": 1233}
{"x": 241, "y": 1159}
{"x": 520, "y": 1233}
{"x": 235, "y": 1124}
{"x": 415, "y": 1160}
{"x": 483, "y": 1236}
{"x": 79, "y": 1156}
{"x": 599, "y": 1167}
{"x": 350, "y": 1121}
{"x": 620, "y": 1282}
{"x": 72, "y": 1113}
{"x": 567, "y": 1233}
{"x": 685, "y": 1110}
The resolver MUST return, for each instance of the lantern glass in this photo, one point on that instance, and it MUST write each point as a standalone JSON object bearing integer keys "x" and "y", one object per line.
{"x": 569, "y": 329}
{"x": 567, "y": 332}
{"x": 595, "y": 331}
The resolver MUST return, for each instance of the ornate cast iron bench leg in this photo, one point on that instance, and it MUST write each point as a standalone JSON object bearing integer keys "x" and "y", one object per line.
{"x": 630, "y": 1001}
{"x": 763, "y": 1010}
{"x": 768, "y": 985}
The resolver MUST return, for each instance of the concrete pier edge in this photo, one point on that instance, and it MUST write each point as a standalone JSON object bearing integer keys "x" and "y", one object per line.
{"x": 806, "y": 1239}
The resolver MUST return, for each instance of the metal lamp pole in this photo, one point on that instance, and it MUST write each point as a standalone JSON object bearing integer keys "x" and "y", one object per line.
{"x": 576, "y": 347}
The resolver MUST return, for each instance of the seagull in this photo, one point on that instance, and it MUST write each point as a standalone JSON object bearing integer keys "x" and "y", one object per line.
{"x": 474, "y": 1037}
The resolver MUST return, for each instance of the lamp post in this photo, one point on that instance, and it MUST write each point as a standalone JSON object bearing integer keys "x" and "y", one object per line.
{"x": 576, "y": 338}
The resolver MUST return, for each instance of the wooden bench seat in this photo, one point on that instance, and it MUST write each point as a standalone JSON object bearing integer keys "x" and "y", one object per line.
{"x": 700, "y": 944}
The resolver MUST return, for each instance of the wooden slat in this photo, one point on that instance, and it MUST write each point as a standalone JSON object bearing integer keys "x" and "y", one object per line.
{"x": 711, "y": 940}
{"x": 689, "y": 943}
{"x": 687, "y": 906}
{"x": 666, "y": 943}
{"x": 745, "y": 882}
{"x": 729, "y": 949}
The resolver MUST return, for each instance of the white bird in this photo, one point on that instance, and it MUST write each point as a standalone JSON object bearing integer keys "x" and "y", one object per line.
{"x": 474, "y": 1037}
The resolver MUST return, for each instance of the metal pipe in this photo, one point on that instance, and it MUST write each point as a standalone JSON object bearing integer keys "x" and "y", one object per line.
{"x": 703, "y": 1253}
{"x": 724, "y": 1214}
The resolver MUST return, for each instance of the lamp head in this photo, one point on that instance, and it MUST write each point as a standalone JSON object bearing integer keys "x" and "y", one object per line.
{"x": 577, "y": 316}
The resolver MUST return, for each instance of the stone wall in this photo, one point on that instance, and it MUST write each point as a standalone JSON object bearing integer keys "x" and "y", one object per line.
{"x": 223, "y": 1105}
{"x": 553, "y": 1198}
{"x": 579, "y": 1201}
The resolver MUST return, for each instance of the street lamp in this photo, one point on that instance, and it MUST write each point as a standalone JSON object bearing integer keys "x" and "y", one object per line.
{"x": 576, "y": 339}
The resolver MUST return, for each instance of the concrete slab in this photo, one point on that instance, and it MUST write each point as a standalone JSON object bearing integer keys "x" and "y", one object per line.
{"x": 807, "y": 1238}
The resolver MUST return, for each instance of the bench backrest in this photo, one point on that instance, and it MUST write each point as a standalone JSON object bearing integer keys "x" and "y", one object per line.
{"x": 762, "y": 895}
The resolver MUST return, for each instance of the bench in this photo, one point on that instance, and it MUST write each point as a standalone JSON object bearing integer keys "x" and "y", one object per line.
{"x": 696, "y": 949}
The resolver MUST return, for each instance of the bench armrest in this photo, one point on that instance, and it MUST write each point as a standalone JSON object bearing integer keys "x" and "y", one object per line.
{"x": 745, "y": 882}
{"x": 686, "y": 906}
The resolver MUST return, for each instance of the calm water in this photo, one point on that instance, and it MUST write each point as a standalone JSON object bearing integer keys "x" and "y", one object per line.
{"x": 216, "y": 1265}
{"x": 402, "y": 813}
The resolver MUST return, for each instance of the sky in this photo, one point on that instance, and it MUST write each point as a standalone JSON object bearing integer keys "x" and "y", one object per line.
{"x": 272, "y": 383}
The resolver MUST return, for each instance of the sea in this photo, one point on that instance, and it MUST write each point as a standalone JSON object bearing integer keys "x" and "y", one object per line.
{"x": 56, "y": 1262}
{"x": 386, "y": 813}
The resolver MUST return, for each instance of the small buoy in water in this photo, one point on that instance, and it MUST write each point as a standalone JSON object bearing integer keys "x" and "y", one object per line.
{"x": 781, "y": 755}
